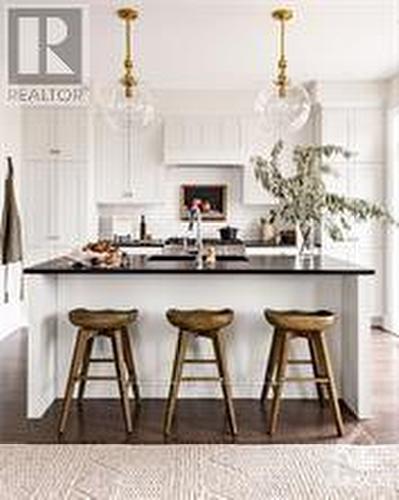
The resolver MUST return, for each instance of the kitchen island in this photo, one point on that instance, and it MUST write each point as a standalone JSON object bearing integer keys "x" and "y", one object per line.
{"x": 153, "y": 284}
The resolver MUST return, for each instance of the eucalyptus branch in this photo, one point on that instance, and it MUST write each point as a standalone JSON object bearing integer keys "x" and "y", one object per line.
{"x": 303, "y": 198}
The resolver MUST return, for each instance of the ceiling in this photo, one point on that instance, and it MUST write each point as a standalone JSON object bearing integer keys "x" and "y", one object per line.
{"x": 233, "y": 42}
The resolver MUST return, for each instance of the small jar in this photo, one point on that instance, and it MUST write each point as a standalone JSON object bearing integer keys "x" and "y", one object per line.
{"x": 210, "y": 256}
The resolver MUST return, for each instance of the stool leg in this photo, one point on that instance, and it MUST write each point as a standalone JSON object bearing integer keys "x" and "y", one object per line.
{"x": 73, "y": 376}
{"x": 316, "y": 369}
{"x": 332, "y": 390}
{"x": 279, "y": 382}
{"x": 128, "y": 354}
{"x": 175, "y": 382}
{"x": 117, "y": 346}
{"x": 271, "y": 367}
{"x": 85, "y": 367}
{"x": 218, "y": 344}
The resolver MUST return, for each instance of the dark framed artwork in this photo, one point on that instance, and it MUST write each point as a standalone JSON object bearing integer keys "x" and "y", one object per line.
{"x": 211, "y": 198}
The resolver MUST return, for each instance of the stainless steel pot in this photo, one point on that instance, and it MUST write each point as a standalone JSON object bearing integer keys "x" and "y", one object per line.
{"x": 228, "y": 233}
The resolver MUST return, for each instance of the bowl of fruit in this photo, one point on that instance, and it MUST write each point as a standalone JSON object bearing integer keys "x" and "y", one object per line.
{"x": 98, "y": 254}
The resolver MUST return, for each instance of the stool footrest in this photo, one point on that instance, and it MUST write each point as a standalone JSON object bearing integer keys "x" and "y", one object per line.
{"x": 101, "y": 360}
{"x": 201, "y": 379}
{"x": 199, "y": 361}
{"x": 302, "y": 379}
{"x": 299, "y": 361}
{"x": 97, "y": 377}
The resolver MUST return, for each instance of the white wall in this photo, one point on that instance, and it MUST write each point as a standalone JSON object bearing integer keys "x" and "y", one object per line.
{"x": 163, "y": 220}
{"x": 392, "y": 192}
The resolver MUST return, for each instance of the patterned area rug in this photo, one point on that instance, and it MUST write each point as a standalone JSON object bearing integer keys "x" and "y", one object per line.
{"x": 203, "y": 472}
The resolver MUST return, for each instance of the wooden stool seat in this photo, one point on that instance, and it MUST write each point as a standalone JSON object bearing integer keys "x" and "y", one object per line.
{"x": 300, "y": 321}
{"x": 201, "y": 321}
{"x": 113, "y": 324}
{"x": 106, "y": 319}
{"x": 204, "y": 323}
{"x": 311, "y": 326}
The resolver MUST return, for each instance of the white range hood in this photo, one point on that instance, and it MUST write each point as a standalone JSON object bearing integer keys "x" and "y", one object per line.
{"x": 203, "y": 140}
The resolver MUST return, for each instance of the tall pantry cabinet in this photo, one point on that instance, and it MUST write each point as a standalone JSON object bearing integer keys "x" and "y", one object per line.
{"x": 54, "y": 180}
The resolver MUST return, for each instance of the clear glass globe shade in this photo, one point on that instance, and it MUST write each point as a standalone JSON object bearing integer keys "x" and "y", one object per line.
{"x": 284, "y": 115}
{"x": 138, "y": 110}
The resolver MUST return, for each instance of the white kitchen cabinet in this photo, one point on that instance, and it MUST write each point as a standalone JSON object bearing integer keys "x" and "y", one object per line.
{"x": 361, "y": 130}
{"x": 335, "y": 127}
{"x": 36, "y": 203}
{"x": 54, "y": 133}
{"x": 368, "y": 135}
{"x": 128, "y": 163}
{"x": 54, "y": 206}
{"x": 202, "y": 140}
{"x": 54, "y": 180}
{"x": 37, "y": 133}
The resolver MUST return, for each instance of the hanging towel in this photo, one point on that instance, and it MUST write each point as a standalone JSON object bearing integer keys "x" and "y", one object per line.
{"x": 11, "y": 240}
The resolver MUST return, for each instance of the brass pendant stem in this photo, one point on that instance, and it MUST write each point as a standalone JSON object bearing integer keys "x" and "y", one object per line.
{"x": 128, "y": 80}
{"x": 282, "y": 82}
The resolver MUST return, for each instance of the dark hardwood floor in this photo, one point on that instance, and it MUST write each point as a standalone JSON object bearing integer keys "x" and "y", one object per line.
{"x": 198, "y": 421}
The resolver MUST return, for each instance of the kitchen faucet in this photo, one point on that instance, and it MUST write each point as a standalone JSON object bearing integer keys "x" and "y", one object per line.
{"x": 196, "y": 218}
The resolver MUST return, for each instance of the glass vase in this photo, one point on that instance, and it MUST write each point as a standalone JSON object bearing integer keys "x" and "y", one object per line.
{"x": 305, "y": 239}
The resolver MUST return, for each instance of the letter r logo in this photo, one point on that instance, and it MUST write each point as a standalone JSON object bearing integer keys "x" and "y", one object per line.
{"x": 44, "y": 46}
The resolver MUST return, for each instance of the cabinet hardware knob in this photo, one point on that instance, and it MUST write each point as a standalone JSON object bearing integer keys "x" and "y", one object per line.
{"x": 55, "y": 151}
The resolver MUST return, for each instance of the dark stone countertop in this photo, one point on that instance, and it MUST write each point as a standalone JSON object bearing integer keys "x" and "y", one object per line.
{"x": 253, "y": 265}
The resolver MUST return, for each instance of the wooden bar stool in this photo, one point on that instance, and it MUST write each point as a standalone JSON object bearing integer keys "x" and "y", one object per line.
{"x": 311, "y": 326}
{"x": 203, "y": 323}
{"x": 93, "y": 324}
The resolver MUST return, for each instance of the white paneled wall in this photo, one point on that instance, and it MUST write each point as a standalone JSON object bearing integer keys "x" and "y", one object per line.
{"x": 360, "y": 129}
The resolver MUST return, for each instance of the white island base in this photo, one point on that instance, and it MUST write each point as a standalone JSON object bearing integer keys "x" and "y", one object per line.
{"x": 51, "y": 336}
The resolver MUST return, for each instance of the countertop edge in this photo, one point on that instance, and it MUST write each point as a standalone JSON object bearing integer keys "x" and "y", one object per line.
{"x": 364, "y": 272}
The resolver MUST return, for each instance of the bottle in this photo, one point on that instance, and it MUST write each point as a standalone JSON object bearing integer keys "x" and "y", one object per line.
{"x": 143, "y": 228}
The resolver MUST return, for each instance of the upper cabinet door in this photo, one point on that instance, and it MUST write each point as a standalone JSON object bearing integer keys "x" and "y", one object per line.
{"x": 37, "y": 212}
{"x": 69, "y": 202}
{"x": 109, "y": 161}
{"x": 128, "y": 162}
{"x": 202, "y": 140}
{"x": 335, "y": 127}
{"x": 71, "y": 126}
{"x": 367, "y": 135}
{"x": 360, "y": 130}
{"x": 147, "y": 169}
{"x": 38, "y": 133}
{"x": 55, "y": 133}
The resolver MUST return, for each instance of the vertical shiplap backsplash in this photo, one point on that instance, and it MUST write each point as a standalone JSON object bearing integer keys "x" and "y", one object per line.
{"x": 163, "y": 219}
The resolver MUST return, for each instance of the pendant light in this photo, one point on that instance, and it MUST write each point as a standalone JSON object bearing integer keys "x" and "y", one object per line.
{"x": 131, "y": 102}
{"x": 285, "y": 108}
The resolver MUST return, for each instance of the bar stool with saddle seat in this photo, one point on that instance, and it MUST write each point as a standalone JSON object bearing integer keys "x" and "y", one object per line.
{"x": 202, "y": 323}
{"x": 311, "y": 326}
{"x": 113, "y": 324}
